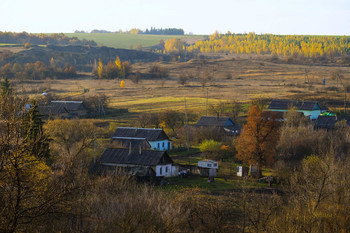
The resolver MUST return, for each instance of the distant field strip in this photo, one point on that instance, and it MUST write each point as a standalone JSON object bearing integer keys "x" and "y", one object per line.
{"x": 162, "y": 103}
{"x": 127, "y": 41}
{"x": 4, "y": 44}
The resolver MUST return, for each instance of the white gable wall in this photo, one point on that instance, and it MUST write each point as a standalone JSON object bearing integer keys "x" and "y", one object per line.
{"x": 314, "y": 114}
{"x": 160, "y": 145}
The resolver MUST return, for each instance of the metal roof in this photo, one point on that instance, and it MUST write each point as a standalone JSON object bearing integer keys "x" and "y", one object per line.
{"x": 325, "y": 122}
{"x": 300, "y": 105}
{"x": 215, "y": 121}
{"x": 133, "y": 142}
{"x": 133, "y": 157}
{"x": 58, "y": 107}
{"x": 146, "y": 133}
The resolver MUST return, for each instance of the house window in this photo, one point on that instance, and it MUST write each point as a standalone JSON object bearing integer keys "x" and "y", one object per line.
{"x": 166, "y": 169}
{"x": 163, "y": 144}
{"x": 168, "y": 145}
{"x": 158, "y": 145}
{"x": 161, "y": 170}
{"x": 209, "y": 165}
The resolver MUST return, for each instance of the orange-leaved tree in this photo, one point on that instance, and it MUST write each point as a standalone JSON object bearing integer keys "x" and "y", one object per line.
{"x": 122, "y": 84}
{"x": 256, "y": 144}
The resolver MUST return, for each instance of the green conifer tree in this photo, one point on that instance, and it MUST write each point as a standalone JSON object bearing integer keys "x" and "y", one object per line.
{"x": 35, "y": 139}
{"x": 6, "y": 87}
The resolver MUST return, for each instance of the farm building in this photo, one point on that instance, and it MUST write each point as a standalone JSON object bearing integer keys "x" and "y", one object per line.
{"x": 309, "y": 108}
{"x": 157, "y": 138}
{"x": 159, "y": 161}
{"x": 331, "y": 122}
{"x": 208, "y": 167}
{"x": 325, "y": 122}
{"x": 63, "y": 109}
{"x": 224, "y": 123}
{"x": 242, "y": 171}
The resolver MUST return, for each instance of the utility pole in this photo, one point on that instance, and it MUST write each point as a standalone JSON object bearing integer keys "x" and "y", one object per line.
{"x": 187, "y": 129}
{"x": 345, "y": 100}
{"x": 206, "y": 110}
{"x": 340, "y": 77}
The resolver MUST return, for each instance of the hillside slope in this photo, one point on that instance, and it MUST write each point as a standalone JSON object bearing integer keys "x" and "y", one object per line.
{"x": 82, "y": 57}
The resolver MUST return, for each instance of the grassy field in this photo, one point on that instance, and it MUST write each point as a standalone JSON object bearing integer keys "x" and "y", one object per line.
{"x": 4, "y": 44}
{"x": 240, "y": 78}
{"x": 233, "y": 77}
{"x": 202, "y": 184}
{"x": 128, "y": 41}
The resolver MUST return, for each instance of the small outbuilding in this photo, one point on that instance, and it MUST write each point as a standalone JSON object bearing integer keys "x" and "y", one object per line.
{"x": 242, "y": 171}
{"x": 208, "y": 168}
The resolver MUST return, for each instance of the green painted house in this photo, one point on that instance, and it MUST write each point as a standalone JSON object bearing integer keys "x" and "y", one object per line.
{"x": 309, "y": 108}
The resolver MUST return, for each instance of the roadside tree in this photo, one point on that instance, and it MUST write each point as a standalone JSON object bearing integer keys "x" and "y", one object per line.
{"x": 256, "y": 144}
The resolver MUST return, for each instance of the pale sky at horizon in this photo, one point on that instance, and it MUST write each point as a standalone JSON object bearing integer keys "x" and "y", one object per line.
{"x": 311, "y": 17}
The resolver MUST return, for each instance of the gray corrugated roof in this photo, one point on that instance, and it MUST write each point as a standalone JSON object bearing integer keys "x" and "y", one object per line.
{"x": 326, "y": 122}
{"x": 135, "y": 143}
{"x": 49, "y": 110}
{"x": 215, "y": 121}
{"x": 126, "y": 156}
{"x": 300, "y": 105}
{"x": 58, "y": 107}
{"x": 148, "y": 134}
{"x": 69, "y": 105}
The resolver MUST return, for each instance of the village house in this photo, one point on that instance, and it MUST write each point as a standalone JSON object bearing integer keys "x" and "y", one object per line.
{"x": 309, "y": 108}
{"x": 220, "y": 122}
{"x": 63, "y": 109}
{"x": 329, "y": 122}
{"x": 157, "y": 138}
{"x": 325, "y": 122}
{"x": 159, "y": 161}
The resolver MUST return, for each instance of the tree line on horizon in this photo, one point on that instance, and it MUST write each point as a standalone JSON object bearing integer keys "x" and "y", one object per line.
{"x": 315, "y": 47}
{"x": 284, "y": 45}
{"x": 42, "y": 39}
{"x": 152, "y": 31}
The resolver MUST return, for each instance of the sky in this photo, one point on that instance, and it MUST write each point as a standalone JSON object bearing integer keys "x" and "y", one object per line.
{"x": 307, "y": 17}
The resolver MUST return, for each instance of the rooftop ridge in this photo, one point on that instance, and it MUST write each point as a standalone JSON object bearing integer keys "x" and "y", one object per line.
{"x": 136, "y": 149}
{"x": 217, "y": 116}
{"x": 132, "y": 138}
{"x": 66, "y": 101}
{"x": 300, "y": 101}
{"x": 140, "y": 128}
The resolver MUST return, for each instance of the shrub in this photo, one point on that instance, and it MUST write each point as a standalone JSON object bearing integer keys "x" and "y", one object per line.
{"x": 214, "y": 150}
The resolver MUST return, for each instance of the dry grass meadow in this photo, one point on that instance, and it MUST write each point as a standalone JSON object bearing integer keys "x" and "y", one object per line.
{"x": 233, "y": 77}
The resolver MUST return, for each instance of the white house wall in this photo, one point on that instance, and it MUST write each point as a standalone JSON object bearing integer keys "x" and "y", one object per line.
{"x": 314, "y": 114}
{"x": 166, "y": 170}
{"x": 160, "y": 145}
